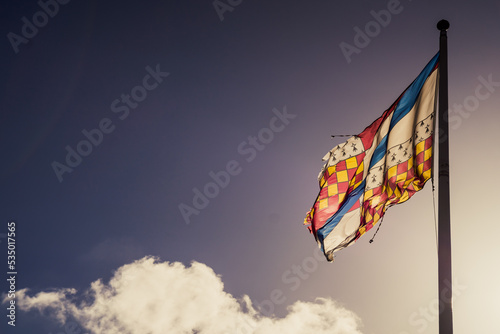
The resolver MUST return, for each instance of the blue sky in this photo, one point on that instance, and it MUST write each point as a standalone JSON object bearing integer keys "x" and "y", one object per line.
{"x": 275, "y": 69}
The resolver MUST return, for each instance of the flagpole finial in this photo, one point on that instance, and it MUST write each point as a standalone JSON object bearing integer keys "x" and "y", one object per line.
{"x": 443, "y": 25}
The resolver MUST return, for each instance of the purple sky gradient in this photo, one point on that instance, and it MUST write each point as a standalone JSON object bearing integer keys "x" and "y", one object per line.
{"x": 225, "y": 78}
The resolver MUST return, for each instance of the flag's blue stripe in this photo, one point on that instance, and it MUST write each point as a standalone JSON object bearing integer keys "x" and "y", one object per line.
{"x": 333, "y": 221}
{"x": 404, "y": 106}
{"x": 379, "y": 152}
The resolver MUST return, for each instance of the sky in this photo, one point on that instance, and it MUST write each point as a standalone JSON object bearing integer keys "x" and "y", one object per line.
{"x": 158, "y": 160}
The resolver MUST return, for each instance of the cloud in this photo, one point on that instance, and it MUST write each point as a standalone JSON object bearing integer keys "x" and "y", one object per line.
{"x": 55, "y": 301}
{"x": 153, "y": 297}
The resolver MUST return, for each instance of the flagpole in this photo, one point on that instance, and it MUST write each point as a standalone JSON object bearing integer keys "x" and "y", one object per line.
{"x": 444, "y": 229}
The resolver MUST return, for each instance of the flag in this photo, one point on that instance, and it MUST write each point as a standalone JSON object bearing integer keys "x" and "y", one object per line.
{"x": 382, "y": 166}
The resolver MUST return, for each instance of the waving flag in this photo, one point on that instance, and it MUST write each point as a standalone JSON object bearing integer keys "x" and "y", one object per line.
{"x": 384, "y": 165}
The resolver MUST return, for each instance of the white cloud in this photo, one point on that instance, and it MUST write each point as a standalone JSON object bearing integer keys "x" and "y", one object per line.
{"x": 152, "y": 297}
{"x": 46, "y": 300}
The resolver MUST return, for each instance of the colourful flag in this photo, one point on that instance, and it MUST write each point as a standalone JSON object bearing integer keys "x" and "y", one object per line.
{"x": 384, "y": 165}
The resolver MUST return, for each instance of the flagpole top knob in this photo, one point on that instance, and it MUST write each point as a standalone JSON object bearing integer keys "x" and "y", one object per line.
{"x": 443, "y": 25}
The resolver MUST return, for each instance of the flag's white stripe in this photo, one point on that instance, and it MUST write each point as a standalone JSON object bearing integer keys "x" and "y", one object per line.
{"x": 403, "y": 129}
{"x": 346, "y": 228}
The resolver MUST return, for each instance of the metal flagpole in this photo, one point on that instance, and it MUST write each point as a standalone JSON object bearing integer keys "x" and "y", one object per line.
{"x": 444, "y": 230}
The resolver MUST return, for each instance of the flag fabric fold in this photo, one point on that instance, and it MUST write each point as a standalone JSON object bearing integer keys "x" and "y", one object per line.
{"x": 382, "y": 166}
